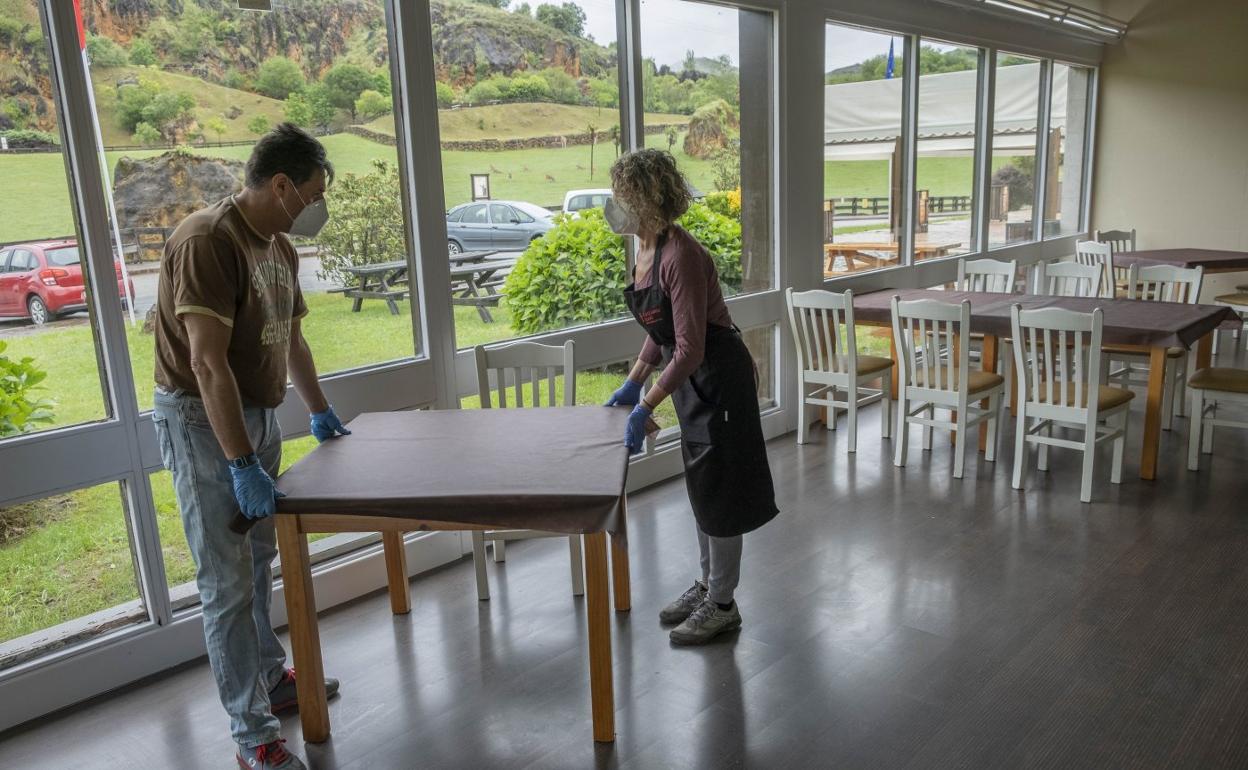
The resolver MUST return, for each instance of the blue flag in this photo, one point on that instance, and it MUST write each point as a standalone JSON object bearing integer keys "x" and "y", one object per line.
{"x": 888, "y": 70}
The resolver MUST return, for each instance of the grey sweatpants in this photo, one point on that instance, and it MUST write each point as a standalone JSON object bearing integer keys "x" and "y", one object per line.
{"x": 721, "y": 564}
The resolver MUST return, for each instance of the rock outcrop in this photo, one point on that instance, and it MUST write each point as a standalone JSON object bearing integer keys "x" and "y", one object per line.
{"x": 161, "y": 191}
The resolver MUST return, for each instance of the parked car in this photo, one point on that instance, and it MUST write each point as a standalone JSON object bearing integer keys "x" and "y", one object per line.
{"x": 495, "y": 225}
{"x": 576, "y": 200}
{"x": 43, "y": 280}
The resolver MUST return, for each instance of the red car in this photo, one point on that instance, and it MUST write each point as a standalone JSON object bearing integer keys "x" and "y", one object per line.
{"x": 42, "y": 280}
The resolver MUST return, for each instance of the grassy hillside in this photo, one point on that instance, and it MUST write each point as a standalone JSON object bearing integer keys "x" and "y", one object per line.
{"x": 518, "y": 121}
{"x": 213, "y": 100}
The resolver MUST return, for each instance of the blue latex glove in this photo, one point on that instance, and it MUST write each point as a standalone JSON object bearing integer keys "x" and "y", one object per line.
{"x": 635, "y": 431}
{"x": 326, "y": 425}
{"x": 628, "y": 394}
{"x": 254, "y": 490}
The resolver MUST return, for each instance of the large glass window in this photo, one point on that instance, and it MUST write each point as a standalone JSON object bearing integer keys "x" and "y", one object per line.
{"x": 1068, "y": 125}
{"x": 1015, "y": 121}
{"x": 945, "y": 180}
{"x": 862, "y": 145}
{"x": 180, "y": 99}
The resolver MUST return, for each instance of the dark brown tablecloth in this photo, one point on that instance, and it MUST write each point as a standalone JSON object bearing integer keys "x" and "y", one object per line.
{"x": 557, "y": 469}
{"x": 1127, "y": 322}
{"x": 1209, "y": 259}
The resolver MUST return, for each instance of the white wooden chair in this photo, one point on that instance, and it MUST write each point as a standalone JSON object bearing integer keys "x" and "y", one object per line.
{"x": 1067, "y": 279}
{"x": 922, "y": 329}
{"x": 1158, "y": 283}
{"x": 987, "y": 275}
{"x": 1058, "y": 358}
{"x": 1093, "y": 253}
{"x": 1118, "y": 242}
{"x": 1210, "y": 388}
{"x": 518, "y": 367}
{"x": 828, "y": 364}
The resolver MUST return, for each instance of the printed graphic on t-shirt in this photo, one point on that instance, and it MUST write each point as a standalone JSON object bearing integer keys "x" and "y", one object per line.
{"x": 274, "y": 286}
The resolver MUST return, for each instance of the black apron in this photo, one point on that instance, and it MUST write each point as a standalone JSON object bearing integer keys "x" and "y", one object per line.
{"x": 726, "y": 470}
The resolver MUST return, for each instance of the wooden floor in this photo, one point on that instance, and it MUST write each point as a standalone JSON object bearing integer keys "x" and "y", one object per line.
{"x": 894, "y": 618}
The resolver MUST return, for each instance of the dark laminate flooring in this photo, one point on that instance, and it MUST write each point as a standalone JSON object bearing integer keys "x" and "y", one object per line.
{"x": 894, "y": 618}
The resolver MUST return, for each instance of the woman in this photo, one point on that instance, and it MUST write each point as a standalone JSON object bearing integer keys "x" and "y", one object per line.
{"x": 710, "y": 376}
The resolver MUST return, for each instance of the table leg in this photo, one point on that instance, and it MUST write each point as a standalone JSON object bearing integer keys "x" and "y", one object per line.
{"x": 619, "y": 570}
{"x": 305, "y": 638}
{"x": 601, "y": 687}
{"x": 1204, "y": 353}
{"x": 1152, "y": 412}
{"x": 396, "y": 572}
{"x": 989, "y": 356}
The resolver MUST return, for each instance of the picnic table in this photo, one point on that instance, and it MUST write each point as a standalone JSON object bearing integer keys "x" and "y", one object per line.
{"x": 405, "y": 472}
{"x": 869, "y": 253}
{"x": 1153, "y": 325}
{"x": 389, "y": 280}
{"x": 476, "y": 283}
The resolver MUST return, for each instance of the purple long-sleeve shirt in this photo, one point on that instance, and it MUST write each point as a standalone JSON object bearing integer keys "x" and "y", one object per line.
{"x": 687, "y": 273}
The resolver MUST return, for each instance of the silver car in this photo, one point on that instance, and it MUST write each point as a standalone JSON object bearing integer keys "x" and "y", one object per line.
{"x": 495, "y": 225}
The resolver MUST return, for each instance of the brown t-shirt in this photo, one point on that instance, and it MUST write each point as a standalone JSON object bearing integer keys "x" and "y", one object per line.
{"x": 216, "y": 264}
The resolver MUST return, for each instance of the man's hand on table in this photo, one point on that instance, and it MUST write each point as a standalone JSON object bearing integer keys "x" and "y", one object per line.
{"x": 254, "y": 489}
{"x": 326, "y": 425}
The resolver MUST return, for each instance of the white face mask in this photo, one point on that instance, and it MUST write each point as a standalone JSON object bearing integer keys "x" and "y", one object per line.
{"x": 310, "y": 220}
{"x": 621, "y": 220}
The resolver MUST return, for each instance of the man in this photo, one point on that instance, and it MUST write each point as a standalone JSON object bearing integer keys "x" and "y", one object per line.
{"x": 228, "y": 334}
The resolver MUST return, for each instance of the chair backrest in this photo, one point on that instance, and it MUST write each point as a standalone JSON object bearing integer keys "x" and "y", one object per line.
{"x": 987, "y": 275}
{"x": 818, "y": 319}
{"x": 1165, "y": 283}
{"x": 1067, "y": 279}
{"x": 1057, "y": 357}
{"x": 522, "y": 364}
{"x": 933, "y": 343}
{"x": 1093, "y": 253}
{"x": 1118, "y": 240}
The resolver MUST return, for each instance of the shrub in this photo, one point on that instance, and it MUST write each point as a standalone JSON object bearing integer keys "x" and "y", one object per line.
{"x": 20, "y": 410}
{"x": 321, "y": 107}
{"x": 345, "y": 83}
{"x": 367, "y": 225}
{"x": 446, "y": 95}
{"x": 10, "y": 29}
{"x": 727, "y": 204}
{"x": 233, "y": 79}
{"x": 148, "y": 103}
{"x": 1020, "y": 184}
{"x": 25, "y": 138}
{"x": 146, "y": 134}
{"x": 298, "y": 111}
{"x": 279, "y": 77}
{"x": 529, "y": 88}
{"x": 485, "y": 91}
{"x": 576, "y": 273}
{"x": 371, "y": 104}
{"x": 142, "y": 53}
{"x": 563, "y": 87}
{"x": 258, "y": 125}
{"x": 103, "y": 52}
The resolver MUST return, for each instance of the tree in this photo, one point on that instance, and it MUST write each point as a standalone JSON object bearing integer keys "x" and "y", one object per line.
{"x": 217, "y": 126}
{"x": 446, "y": 94}
{"x": 567, "y": 17}
{"x": 279, "y": 77}
{"x": 593, "y": 140}
{"x": 298, "y": 111}
{"x": 523, "y": 9}
{"x": 614, "y": 133}
{"x": 367, "y": 225}
{"x": 258, "y": 125}
{"x": 146, "y": 134}
{"x": 321, "y": 106}
{"x": 371, "y": 105}
{"x": 142, "y": 53}
{"x": 494, "y": 3}
{"x": 345, "y": 83}
{"x": 104, "y": 53}
{"x": 672, "y": 134}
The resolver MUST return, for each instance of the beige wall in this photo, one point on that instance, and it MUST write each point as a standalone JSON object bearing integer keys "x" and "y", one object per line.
{"x": 1172, "y": 130}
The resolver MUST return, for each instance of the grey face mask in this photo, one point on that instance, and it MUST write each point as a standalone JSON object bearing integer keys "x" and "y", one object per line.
{"x": 619, "y": 218}
{"x": 310, "y": 220}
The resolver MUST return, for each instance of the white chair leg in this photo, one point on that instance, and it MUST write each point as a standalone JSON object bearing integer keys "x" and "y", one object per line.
{"x": 578, "y": 570}
{"x": 1120, "y": 445}
{"x": 929, "y": 413}
{"x": 852, "y": 418}
{"x": 1043, "y": 453}
{"x": 831, "y": 396}
{"x": 1089, "y": 461}
{"x": 1180, "y": 387}
{"x": 500, "y": 551}
{"x": 1020, "y": 447}
{"x": 959, "y": 445}
{"x": 903, "y": 431}
{"x": 478, "y": 561}
{"x": 1206, "y": 429}
{"x": 1194, "y": 427}
{"x": 886, "y": 403}
{"x": 803, "y": 419}
{"x": 994, "y": 407}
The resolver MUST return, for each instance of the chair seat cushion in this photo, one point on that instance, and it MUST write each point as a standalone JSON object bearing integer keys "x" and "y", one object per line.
{"x": 1220, "y": 378}
{"x": 1140, "y": 351}
{"x": 1108, "y": 397}
{"x": 1239, "y": 300}
{"x": 871, "y": 364}
{"x": 976, "y": 380}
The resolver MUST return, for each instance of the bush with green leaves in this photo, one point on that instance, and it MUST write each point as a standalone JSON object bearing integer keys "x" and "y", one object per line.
{"x": 141, "y": 53}
{"x": 576, "y": 272}
{"x": 367, "y": 223}
{"x": 259, "y": 125}
{"x": 104, "y": 53}
{"x": 345, "y": 83}
{"x": 529, "y": 88}
{"x": 146, "y": 134}
{"x": 21, "y": 411}
{"x": 149, "y": 103}
{"x": 26, "y": 138}
{"x": 1022, "y": 185}
{"x": 485, "y": 91}
{"x": 279, "y": 77}
{"x": 446, "y": 94}
{"x": 372, "y": 104}
{"x": 297, "y": 110}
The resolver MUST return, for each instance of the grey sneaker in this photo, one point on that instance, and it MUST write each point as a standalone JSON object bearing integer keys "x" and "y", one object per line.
{"x": 706, "y": 622}
{"x": 683, "y": 607}
{"x": 283, "y": 697}
{"x": 270, "y": 756}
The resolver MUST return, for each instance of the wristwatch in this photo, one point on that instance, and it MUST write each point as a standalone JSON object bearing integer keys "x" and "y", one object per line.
{"x": 245, "y": 461}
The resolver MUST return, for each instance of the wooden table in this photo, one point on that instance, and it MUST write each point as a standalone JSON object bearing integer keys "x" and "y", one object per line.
{"x": 1212, "y": 260}
{"x": 406, "y": 471}
{"x": 1155, "y": 325}
{"x": 389, "y": 280}
{"x": 856, "y": 251}
{"x": 476, "y": 284}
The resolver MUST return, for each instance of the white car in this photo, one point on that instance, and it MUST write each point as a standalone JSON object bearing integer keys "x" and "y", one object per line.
{"x": 576, "y": 200}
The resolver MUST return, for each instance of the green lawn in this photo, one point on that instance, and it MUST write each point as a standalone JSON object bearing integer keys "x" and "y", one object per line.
{"x": 517, "y": 121}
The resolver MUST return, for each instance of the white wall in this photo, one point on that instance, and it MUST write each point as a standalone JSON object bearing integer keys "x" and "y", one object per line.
{"x": 1172, "y": 130}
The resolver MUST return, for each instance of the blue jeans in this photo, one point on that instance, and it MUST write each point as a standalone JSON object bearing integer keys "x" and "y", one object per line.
{"x": 234, "y": 572}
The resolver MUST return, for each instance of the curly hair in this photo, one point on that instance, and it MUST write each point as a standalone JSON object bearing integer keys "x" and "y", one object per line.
{"x": 648, "y": 183}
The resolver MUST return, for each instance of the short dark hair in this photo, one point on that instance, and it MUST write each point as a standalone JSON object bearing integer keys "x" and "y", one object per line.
{"x": 287, "y": 150}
